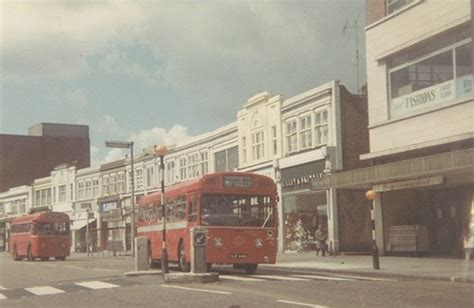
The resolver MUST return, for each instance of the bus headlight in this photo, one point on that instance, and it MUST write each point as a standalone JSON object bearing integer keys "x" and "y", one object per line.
{"x": 218, "y": 242}
{"x": 259, "y": 243}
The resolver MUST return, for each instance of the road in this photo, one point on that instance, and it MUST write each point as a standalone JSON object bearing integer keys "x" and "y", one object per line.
{"x": 100, "y": 282}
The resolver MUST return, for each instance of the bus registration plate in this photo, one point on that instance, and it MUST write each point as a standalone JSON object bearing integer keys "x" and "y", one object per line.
{"x": 238, "y": 255}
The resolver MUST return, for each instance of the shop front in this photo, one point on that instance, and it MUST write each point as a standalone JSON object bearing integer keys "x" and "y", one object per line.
{"x": 111, "y": 232}
{"x": 303, "y": 209}
{"x": 426, "y": 220}
{"x": 423, "y": 206}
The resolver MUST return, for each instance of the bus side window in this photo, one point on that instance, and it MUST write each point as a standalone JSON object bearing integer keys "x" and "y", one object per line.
{"x": 192, "y": 210}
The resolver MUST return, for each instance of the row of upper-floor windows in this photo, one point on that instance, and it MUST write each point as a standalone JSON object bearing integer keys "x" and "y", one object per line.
{"x": 306, "y": 131}
{"x": 48, "y": 196}
{"x": 13, "y": 207}
{"x": 303, "y": 132}
{"x": 176, "y": 170}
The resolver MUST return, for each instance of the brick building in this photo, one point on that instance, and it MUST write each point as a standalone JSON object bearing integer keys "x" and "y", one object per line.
{"x": 24, "y": 158}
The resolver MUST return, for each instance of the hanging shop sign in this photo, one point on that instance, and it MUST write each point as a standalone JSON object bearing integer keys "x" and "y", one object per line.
{"x": 431, "y": 181}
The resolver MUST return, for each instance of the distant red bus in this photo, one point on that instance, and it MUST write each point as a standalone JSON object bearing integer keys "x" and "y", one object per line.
{"x": 40, "y": 235}
{"x": 237, "y": 209}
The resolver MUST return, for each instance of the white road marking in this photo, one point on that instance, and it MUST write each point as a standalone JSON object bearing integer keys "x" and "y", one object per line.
{"x": 366, "y": 278}
{"x": 2, "y": 288}
{"x": 323, "y": 277}
{"x": 46, "y": 290}
{"x": 198, "y": 290}
{"x": 240, "y": 278}
{"x": 95, "y": 285}
{"x": 299, "y": 304}
{"x": 105, "y": 270}
{"x": 275, "y": 277}
{"x": 2, "y": 296}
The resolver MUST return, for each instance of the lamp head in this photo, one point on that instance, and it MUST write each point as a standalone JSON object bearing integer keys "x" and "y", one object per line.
{"x": 371, "y": 194}
{"x": 161, "y": 150}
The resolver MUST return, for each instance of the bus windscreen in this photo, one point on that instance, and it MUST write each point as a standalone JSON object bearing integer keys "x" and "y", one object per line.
{"x": 236, "y": 210}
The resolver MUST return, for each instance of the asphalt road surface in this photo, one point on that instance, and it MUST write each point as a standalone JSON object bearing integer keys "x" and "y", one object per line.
{"x": 99, "y": 282}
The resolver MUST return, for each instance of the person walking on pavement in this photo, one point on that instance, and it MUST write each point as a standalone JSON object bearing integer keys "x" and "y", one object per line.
{"x": 321, "y": 237}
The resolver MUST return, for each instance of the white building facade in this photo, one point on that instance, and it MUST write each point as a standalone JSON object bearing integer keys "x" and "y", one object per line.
{"x": 421, "y": 126}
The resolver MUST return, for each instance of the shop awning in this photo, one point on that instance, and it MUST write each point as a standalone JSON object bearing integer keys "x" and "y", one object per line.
{"x": 79, "y": 224}
{"x": 456, "y": 166}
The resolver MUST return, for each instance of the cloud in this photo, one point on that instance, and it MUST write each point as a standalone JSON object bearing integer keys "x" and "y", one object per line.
{"x": 255, "y": 45}
{"x": 156, "y": 136}
{"x": 150, "y": 137}
{"x": 76, "y": 98}
{"x": 113, "y": 154}
{"x": 53, "y": 39}
{"x": 95, "y": 161}
{"x": 116, "y": 61}
{"x": 110, "y": 127}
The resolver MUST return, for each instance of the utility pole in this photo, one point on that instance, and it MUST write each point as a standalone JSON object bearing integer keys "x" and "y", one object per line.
{"x": 355, "y": 27}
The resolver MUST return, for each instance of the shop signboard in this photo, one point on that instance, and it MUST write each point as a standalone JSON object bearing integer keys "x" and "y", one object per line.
{"x": 110, "y": 208}
{"x": 301, "y": 176}
{"x": 431, "y": 181}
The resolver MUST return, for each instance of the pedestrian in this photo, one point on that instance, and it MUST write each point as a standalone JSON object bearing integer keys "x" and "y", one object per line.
{"x": 321, "y": 237}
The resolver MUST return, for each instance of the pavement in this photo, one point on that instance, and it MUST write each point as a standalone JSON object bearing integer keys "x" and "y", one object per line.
{"x": 426, "y": 268}
{"x": 431, "y": 268}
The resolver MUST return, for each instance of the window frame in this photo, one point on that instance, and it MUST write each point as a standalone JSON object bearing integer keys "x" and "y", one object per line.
{"x": 450, "y": 48}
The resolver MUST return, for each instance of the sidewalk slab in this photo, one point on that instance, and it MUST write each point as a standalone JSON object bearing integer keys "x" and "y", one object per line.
{"x": 453, "y": 270}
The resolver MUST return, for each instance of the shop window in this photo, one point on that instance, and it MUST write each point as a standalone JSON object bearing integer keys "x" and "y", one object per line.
{"x": 423, "y": 74}
{"x": 442, "y": 74}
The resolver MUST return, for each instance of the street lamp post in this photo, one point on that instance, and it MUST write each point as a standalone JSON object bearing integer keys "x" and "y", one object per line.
{"x": 87, "y": 233}
{"x": 128, "y": 145}
{"x": 161, "y": 151}
{"x": 372, "y": 195}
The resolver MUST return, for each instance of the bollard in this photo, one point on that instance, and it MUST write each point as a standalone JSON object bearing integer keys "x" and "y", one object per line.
{"x": 198, "y": 250}
{"x": 141, "y": 254}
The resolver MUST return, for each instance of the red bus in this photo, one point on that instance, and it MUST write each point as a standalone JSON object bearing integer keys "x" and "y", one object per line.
{"x": 237, "y": 209}
{"x": 40, "y": 235}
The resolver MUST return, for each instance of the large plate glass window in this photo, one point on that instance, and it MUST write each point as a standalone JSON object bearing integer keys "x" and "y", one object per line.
{"x": 436, "y": 78}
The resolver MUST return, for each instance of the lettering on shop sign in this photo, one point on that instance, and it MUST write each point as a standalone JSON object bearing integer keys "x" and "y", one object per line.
{"x": 302, "y": 180}
{"x": 418, "y": 100}
{"x": 437, "y": 180}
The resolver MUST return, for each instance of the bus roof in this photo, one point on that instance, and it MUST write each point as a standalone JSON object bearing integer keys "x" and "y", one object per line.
{"x": 42, "y": 216}
{"x": 201, "y": 181}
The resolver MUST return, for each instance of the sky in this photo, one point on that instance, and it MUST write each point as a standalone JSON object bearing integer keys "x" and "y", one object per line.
{"x": 161, "y": 72}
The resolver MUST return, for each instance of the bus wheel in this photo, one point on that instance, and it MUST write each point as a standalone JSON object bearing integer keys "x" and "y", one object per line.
{"x": 29, "y": 254}
{"x": 182, "y": 264}
{"x": 251, "y": 268}
{"x": 15, "y": 255}
{"x": 44, "y": 259}
{"x": 60, "y": 258}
